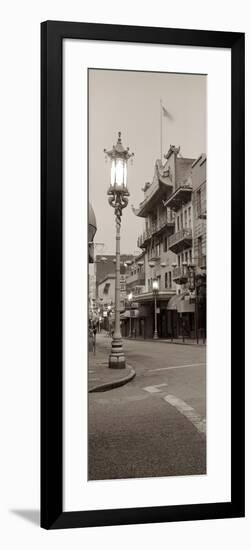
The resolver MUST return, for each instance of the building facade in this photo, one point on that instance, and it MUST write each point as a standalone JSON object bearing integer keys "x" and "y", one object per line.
{"x": 199, "y": 179}
{"x": 159, "y": 227}
{"x": 106, "y": 290}
{"x": 188, "y": 202}
{"x": 105, "y": 265}
{"x": 173, "y": 245}
{"x": 132, "y": 323}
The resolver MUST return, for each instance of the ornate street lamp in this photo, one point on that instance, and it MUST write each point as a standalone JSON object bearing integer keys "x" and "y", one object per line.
{"x": 155, "y": 292}
{"x": 151, "y": 265}
{"x": 129, "y": 297}
{"x": 118, "y": 198}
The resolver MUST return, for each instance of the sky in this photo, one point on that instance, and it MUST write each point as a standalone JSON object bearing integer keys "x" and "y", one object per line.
{"x": 129, "y": 102}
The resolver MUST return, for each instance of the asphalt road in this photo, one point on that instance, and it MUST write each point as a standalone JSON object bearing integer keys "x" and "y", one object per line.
{"x": 155, "y": 425}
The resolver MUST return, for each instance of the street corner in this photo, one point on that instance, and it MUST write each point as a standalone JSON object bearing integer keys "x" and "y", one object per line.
{"x": 110, "y": 379}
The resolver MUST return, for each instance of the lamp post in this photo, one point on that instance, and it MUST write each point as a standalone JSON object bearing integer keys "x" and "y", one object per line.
{"x": 192, "y": 285}
{"x": 118, "y": 198}
{"x": 155, "y": 292}
{"x": 130, "y": 302}
{"x": 152, "y": 265}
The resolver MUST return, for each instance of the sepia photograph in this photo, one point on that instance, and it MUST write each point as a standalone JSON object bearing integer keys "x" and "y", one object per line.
{"x": 142, "y": 330}
{"x": 147, "y": 268}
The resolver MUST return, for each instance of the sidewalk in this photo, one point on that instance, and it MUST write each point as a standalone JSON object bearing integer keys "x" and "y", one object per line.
{"x": 186, "y": 341}
{"x": 100, "y": 377}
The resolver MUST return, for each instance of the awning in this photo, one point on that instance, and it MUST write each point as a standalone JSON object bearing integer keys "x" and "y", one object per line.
{"x": 130, "y": 313}
{"x": 173, "y": 302}
{"x": 185, "y": 304}
{"x": 181, "y": 303}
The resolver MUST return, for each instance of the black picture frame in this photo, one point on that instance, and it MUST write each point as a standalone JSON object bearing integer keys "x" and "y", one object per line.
{"x": 52, "y": 35}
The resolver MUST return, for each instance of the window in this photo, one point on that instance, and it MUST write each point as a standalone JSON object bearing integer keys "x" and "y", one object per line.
{"x": 198, "y": 203}
{"x": 106, "y": 288}
{"x": 190, "y": 256}
{"x": 199, "y": 249}
{"x": 170, "y": 279}
{"x": 165, "y": 280}
{"x": 178, "y": 223}
{"x": 165, "y": 244}
{"x": 189, "y": 217}
{"x": 185, "y": 217}
{"x": 159, "y": 281}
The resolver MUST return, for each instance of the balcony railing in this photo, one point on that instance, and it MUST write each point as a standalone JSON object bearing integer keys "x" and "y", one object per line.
{"x": 167, "y": 221}
{"x": 180, "y": 240}
{"x": 138, "y": 277}
{"x": 180, "y": 196}
{"x": 180, "y": 275}
{"x": 143, "y": 238}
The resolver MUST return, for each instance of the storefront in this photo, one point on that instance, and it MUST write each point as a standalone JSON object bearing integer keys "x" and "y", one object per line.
{"x": 188, "y": 316}
{"x": 133, "y": 322}
{"x": 142, "y": 317}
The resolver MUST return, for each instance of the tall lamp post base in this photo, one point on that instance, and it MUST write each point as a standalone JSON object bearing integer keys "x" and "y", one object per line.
{"x": 155, "y": 335}
{"x": 117, "y": 357}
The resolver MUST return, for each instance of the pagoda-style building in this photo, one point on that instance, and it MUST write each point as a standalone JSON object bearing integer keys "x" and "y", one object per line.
{"x": 167, "y": 242}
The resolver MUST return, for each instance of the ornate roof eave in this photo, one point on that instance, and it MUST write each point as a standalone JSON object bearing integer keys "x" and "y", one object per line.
{"x": 135, "y": 210}
{"x": 159, "y": 183}
{"x": 147, "y": 203}
{"x": 172, "y": 149}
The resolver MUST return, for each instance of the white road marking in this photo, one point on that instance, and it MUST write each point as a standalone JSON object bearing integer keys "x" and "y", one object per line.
{"x": 154, "y": 389}
{"x": 188, "y": 412}
{"x": 178, "y": 367}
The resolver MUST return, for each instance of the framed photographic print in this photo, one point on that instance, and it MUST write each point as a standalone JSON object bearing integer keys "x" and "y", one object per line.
{"x": 142, "y": 240}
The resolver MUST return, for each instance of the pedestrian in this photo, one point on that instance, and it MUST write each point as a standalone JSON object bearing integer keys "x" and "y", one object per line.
{"x": 94, "y": 332}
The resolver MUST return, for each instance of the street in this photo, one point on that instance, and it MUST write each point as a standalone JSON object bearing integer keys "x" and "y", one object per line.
{"x": 154, "y": 425}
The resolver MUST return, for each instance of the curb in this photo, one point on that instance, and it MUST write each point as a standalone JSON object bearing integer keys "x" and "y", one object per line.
{"x": 115, "y": 384}
{"x": 162, "y": 341}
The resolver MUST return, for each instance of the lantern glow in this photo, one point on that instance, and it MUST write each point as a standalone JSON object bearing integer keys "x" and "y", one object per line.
{"x": 119, "y": 157}
{"x": 155, "y": 284}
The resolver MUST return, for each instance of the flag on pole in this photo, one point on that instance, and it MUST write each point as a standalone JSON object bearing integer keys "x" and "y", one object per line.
{"x": 163, "y": 113}
{"x": 166, "y": 113}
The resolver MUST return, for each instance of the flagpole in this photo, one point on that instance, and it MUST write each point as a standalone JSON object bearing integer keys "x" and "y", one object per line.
{"x": 166, "y": 114}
